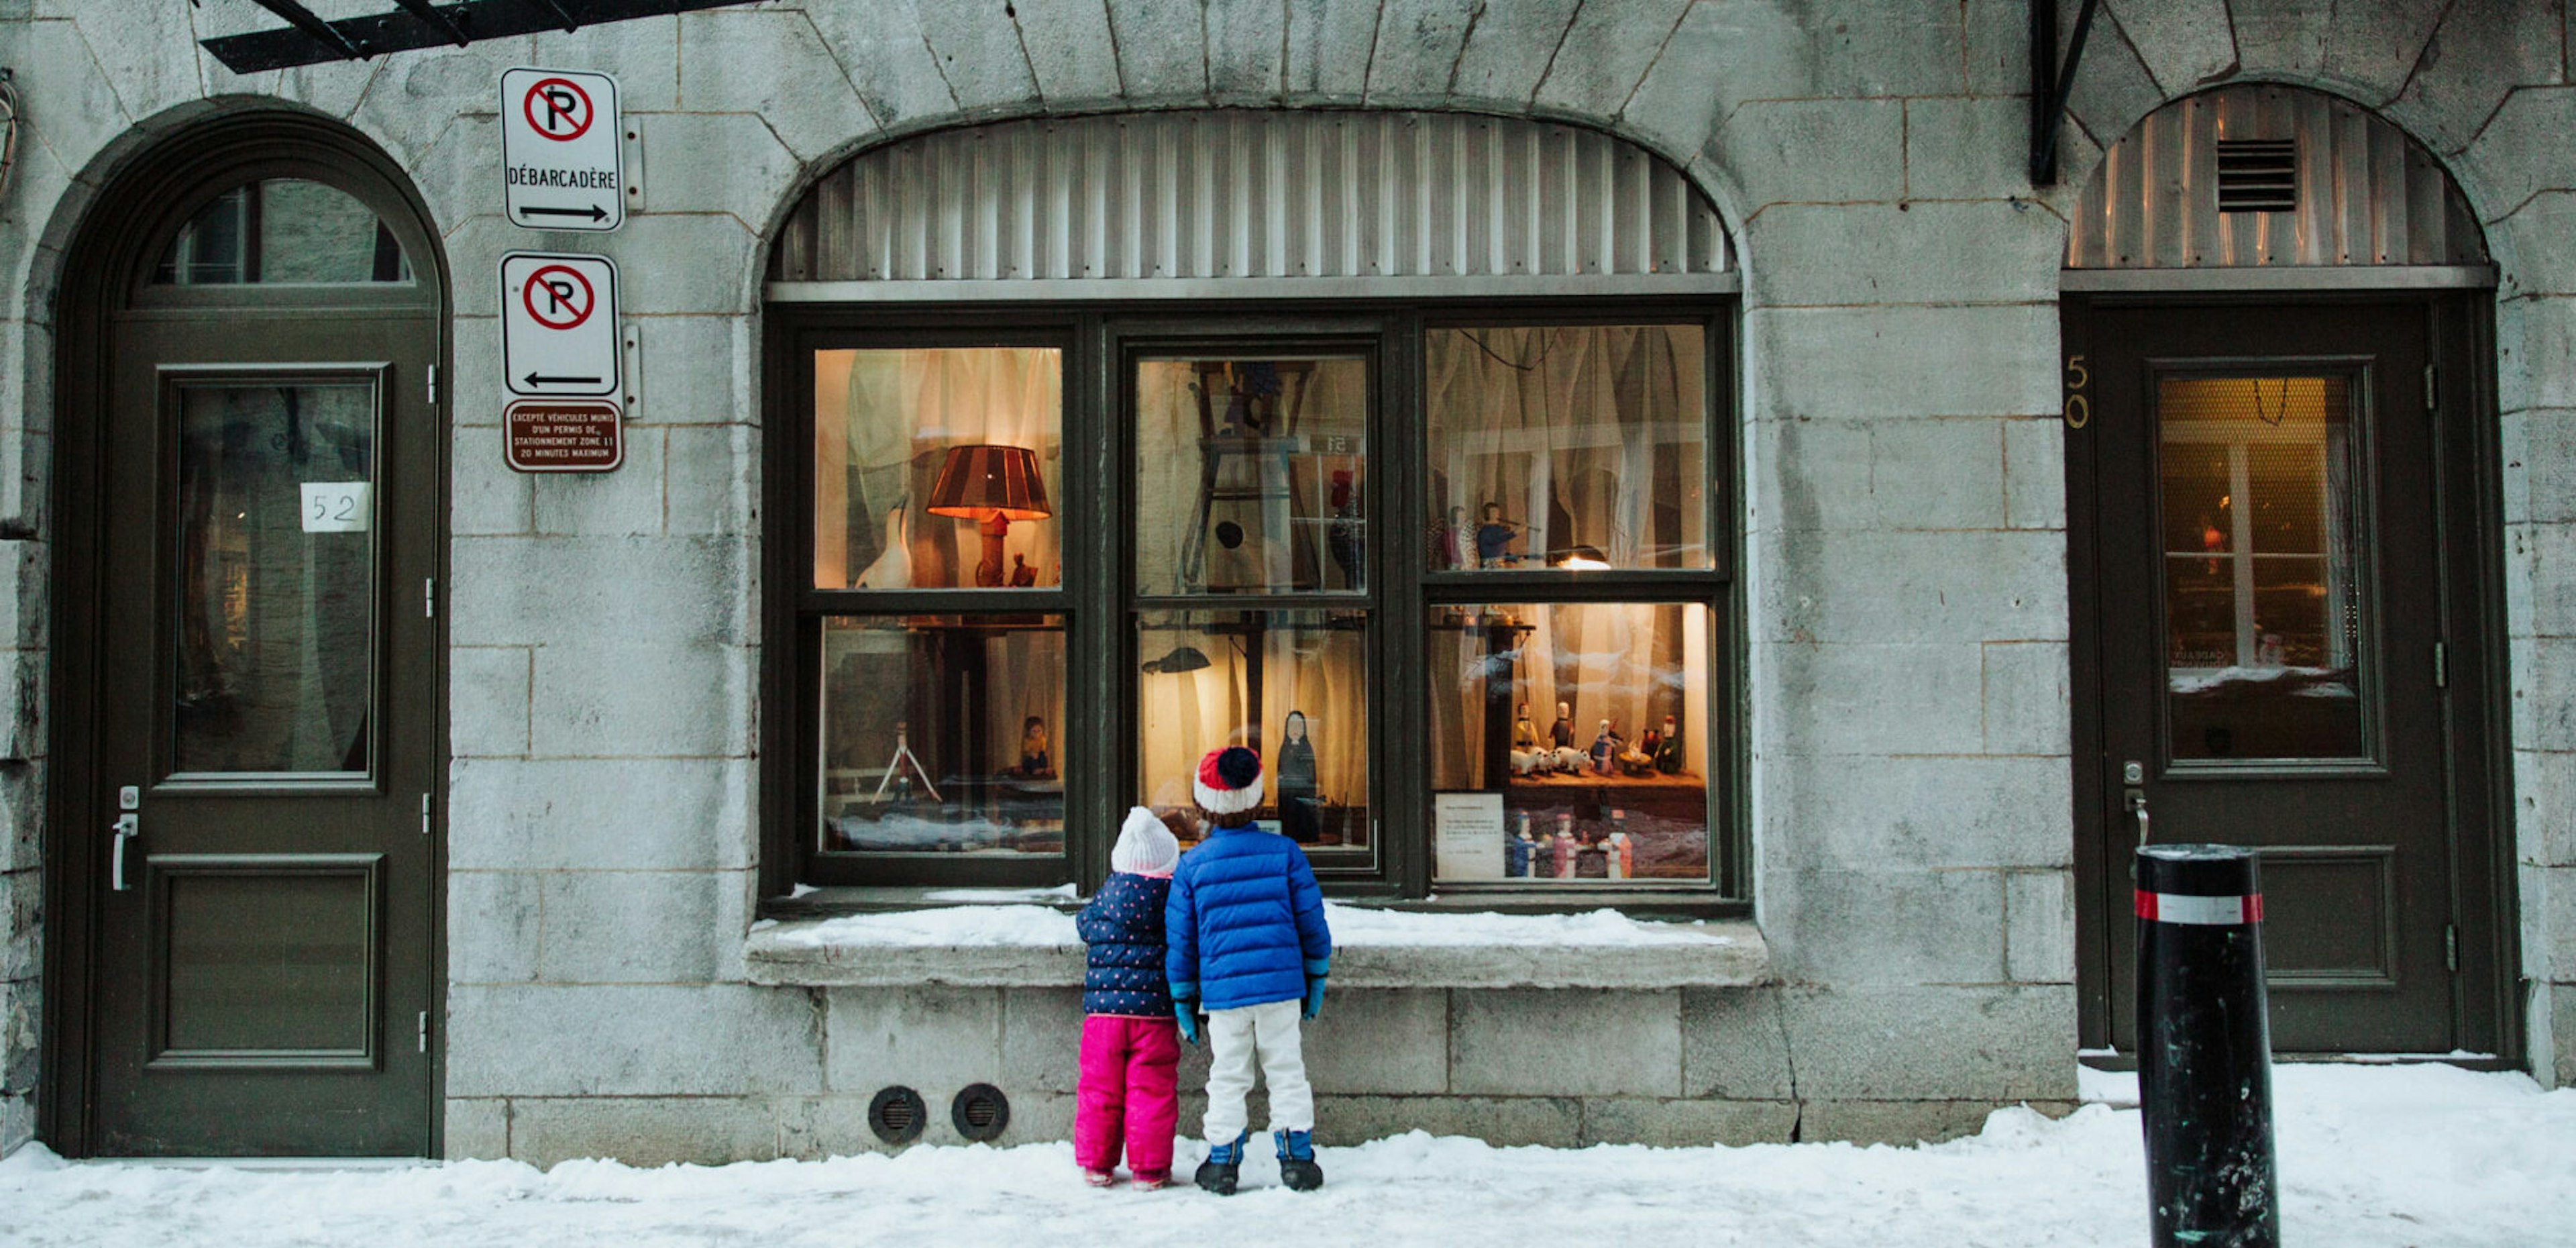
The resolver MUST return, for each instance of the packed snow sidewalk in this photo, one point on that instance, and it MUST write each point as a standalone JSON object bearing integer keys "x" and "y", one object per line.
{"x": 2419, "y": 1156}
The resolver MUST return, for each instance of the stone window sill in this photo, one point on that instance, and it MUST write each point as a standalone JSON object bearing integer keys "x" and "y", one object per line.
{"x": 1034, "y": 946}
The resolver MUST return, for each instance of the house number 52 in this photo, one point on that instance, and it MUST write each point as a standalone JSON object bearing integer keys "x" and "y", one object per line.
{"x": 2079, "y": 408}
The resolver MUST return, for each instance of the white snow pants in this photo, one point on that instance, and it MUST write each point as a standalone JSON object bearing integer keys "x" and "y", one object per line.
{"x": 1233, "y": 1037}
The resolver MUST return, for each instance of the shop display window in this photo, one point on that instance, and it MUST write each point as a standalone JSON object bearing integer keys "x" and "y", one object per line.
{"x": 1570, "y": 742}
{"x": 1245, "y": 530}
{"x": 937, "y": 468}
{"x": 1576, "y": 447}
{"x": 1292, "y": 686}
{"x": 942, "y": 735}
{"x": 1252, "y": 475}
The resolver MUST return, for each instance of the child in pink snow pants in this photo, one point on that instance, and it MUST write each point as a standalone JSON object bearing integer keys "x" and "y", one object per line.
{"x": 1131, "y": 1047}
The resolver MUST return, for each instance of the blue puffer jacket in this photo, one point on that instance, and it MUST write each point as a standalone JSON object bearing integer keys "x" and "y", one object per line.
{"x": 1123, "y": 925}
{"x": 1245, "y": 921}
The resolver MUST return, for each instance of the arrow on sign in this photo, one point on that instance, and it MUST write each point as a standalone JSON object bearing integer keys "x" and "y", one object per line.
{"x": 594, "y": 212}
{"x": 536, "y": 380}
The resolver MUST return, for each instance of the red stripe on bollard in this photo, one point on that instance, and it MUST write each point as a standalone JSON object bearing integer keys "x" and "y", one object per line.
{"x": 2199, "y": 911}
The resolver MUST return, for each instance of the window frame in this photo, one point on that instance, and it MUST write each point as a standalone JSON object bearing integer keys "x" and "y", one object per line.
{"x": 795, "y": 609}
{"x": 1717, "y": 587}
{"x": 1101, "y": 341}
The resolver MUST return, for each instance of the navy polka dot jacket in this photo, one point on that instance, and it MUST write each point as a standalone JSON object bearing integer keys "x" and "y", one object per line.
{"x": 1124, "y": 966}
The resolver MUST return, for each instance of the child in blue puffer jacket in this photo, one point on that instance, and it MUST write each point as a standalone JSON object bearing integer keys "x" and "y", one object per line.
{"x": 1249, "y": 946}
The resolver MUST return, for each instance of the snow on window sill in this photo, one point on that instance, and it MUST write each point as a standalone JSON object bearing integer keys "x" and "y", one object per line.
{"x": 1013, "y": 946}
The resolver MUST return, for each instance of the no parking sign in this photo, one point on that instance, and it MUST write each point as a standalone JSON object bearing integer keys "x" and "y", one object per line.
{"x": 559, "y": 325}
{"x": 561, "y": 160}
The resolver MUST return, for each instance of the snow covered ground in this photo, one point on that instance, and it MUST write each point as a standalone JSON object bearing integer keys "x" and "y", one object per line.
{"x": 2370, "y": 1155}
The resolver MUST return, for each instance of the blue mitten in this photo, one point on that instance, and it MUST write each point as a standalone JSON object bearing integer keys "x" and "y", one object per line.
{"x": 1185, "y": 1008}
{"x": 1316, "y": 968}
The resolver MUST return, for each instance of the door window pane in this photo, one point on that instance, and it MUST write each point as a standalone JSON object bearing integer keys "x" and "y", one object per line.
{"x": 940, "y": 734}
{"x": 1291, "y": 686}
{"x": 936, "y": 468}
{"x": 1569, "y": 743}
{"x": 276, "y": 562}
{"x": 283, "y": 231}
{"x": 1579, "y": 447}
{"x": 2263, "y": 601}
{"x": 1252, "y": 475}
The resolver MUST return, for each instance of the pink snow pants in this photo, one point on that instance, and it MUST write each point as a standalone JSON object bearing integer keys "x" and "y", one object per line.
{"x": 1130, "y": 1090}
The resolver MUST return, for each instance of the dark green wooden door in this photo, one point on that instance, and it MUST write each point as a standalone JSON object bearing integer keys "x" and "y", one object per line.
{"x": 2275, "y": 617}
{"x": 266, "y": 713}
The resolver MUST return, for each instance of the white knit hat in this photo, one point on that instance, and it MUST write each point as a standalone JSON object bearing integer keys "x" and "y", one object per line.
{"x": 1228, "y": 781}
{"x": 1145, "y": 846}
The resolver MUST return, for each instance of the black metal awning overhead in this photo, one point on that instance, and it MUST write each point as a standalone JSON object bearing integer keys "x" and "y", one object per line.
{"x": 2051, "y": 82}
{"x": 306, "y": 39}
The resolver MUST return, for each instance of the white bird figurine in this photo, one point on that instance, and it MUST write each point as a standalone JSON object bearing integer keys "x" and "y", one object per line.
{"x": 893, "y": 569}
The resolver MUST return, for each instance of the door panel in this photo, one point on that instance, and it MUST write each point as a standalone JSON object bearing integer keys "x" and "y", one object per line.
{"x": 267, "y": 691}
{"x": 2269, "y": 596}
{"x": 267, "y": 960}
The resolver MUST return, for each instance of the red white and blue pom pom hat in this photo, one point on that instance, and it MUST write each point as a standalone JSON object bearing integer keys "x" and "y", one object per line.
{"x": 1229, "y": 781}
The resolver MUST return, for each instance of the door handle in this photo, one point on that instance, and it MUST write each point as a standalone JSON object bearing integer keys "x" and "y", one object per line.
{"x": 2137, "y": 805}
{"x": 128, "y": 828}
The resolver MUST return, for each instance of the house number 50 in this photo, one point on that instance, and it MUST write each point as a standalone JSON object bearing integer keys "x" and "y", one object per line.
{"x": 2079, "y": 409}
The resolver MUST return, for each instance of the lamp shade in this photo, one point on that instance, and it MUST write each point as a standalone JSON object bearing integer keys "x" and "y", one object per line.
{"x": 1582, "y": 558}
{"x": 1183, "y": 658}
{"x": 981, "y": 480}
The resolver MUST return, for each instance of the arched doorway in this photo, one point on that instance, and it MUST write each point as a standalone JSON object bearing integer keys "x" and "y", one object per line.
{"x": 2283, "y": 546}
{"x": 247, "y": 744}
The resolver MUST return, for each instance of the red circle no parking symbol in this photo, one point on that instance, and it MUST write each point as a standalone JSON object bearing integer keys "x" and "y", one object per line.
{"x": 558, "y": 296}
{"x": 558, "y": 109}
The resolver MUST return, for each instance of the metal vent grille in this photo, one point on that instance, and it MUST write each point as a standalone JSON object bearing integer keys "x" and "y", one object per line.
{"x": 2258, "y": 175}
{"x": 897, "y": 1115}
{"x": 980, "y": 1112}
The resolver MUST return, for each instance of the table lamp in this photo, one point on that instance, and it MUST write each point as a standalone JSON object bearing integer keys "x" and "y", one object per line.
{"x": 993, "y": 486}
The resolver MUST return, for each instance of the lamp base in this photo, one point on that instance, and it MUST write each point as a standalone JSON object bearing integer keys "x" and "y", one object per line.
{"x": 995, "y": 528}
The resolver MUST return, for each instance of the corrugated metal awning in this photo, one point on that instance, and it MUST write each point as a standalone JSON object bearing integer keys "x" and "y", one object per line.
{"x": 2358, "y": 191}
{"x": 1227, "y": 203}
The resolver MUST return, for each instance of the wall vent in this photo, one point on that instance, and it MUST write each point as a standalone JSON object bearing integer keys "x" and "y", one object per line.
{"x": 980, "y": 1112}
{"x": 897, "y": 1115}
{"x": 2258, "y": 175}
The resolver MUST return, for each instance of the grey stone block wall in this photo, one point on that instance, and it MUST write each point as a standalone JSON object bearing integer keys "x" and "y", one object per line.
{"x": 1512, "y": 1066}
{"x": 1908, "y": 733}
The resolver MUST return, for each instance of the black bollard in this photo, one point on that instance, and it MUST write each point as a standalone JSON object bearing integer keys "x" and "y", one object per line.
{"x": 2205, "y": 1048}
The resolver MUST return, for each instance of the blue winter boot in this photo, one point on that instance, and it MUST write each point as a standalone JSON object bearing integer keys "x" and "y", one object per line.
{"x": 1224, "y": 1166}
{"x": 1297, "y": 1166}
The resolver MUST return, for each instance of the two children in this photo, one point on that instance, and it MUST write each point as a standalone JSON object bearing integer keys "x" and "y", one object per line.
{"x": 1245, "y": 948}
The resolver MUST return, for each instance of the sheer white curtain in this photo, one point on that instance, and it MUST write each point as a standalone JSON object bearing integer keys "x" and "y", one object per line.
{"x": 1589, "y": 435}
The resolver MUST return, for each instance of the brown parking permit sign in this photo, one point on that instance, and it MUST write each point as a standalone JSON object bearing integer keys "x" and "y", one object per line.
{"x": 564, "y": 435}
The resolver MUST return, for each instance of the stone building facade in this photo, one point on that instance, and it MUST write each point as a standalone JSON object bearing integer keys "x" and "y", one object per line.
{"x": 620, "y": 968}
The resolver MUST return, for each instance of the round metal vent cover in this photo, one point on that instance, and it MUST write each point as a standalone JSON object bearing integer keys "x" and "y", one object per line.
{"x": 980, "y": 1112}
{"x": 897, "y": 1115}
